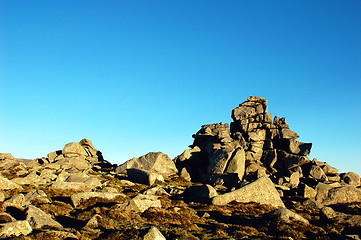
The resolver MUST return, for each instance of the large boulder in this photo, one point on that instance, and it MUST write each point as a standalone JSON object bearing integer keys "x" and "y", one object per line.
{"x": 260, "y": 191}
{"x": 153, "y": 161}
{"x": 143, "y": 176}
{"x": 74, "y": 149}
{"x": 16, "y": 229}
{"x": 6, "y": 184}
{"x": 38, "y": 219}
{"x": 79, "y": 198}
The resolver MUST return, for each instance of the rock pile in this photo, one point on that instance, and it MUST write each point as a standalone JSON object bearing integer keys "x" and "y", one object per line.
{"x": 250, "y": 179}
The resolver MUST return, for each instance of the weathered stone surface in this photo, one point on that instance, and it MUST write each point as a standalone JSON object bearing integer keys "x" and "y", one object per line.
{"x": 78, "y": 198}
{"x": 288, "y": 134}
{"x": 346, "y": 194}
{"x": 2, "y": 196}
{"x": 351, "y": 178}
{"x": 15, "y": 229}
{"x": 287, "y": 216}
{"x": 38, "y": 219}
{"x": 153, "y": 161}
{"x": 200, "y": 193}
{"x": 261, "y": 191}
{"x": 187, "y": 154}
{"x": 306, "y": 191}
{"x": 341, "y": 218}
{"x": 317, "y": 173}
{"x": 87, "y": 185}
{"x": 218, "y": 161}
{"x": 237, "y": 163}
{"x": 74, "y": 149}
{"x": 153, "y": 234}
{"x": 143, "y": 176}
{"x": 56, "y": 235}
{"x": 140, "y": 203}
{"x": 17, "y": 201}
{"x": 93, "y": 222}
{"x": 31, "y": 179}
{"x": 287, "y": 160}
{"x": 36, "y": 196}
{"x": 6, "y": 184}
{"x": 78, "y": 163}
{"x": 294, "y": 146}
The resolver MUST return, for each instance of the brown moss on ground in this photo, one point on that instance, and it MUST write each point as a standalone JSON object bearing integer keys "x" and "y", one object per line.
{"x": 57, "y": 208}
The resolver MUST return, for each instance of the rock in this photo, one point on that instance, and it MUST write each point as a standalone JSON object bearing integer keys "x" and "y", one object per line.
{"x": 317, "y": 173}
{"x": 74, "y": 149}
{"x": 288, "y": 134}
{"x": 157, "y": 190}
{"x": 306, "y": 191}
{"x": 143, "y": 176}
{"x": 31, "y": 179}
{"x": 218, "y": 161}
{"x": 346, "y": 194}
{"x": 6, "y": 184}
{"x": 200, "y": 193}
{"x": 78, "y": 198}
{"x": 38, "y": 219}
{"x": 79, "y": 163}
{"x": 2, "y": 197}
{"x": 17, "y": 201}
{"x": 294, "y": 147}
{"x": 17, "y": 229}
{"x": 140, "y": 203}
{"x": 351, "y": 178}
{"x": 4, "y": 156}
{"x": 153, "y": 161}
{"x": 187, "y": 154}
{"x": 36, "y": 196}
{"x": 287, "y": 161}
{"x": 153, "y": 234}
{"x": 341, "y": 218}
{"x": 236, "y": 164}
{"x": 287, "y": 216}
{"x": 5, "y": 218}
{"x": 261, "y": 191}
{"x": 88, "y": 185}
{"x": 56, "y": 235}
{"x": 93, "y": 222}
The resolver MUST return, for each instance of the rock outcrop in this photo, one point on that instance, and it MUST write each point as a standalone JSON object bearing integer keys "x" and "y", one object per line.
{"x": 250, "y": 179}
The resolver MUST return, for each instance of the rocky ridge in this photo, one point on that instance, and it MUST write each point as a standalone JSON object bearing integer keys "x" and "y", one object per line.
{"x": 248, "y": 180}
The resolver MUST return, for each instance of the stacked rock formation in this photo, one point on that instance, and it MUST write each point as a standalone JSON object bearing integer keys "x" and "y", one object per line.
{"x": 251, "y": 179}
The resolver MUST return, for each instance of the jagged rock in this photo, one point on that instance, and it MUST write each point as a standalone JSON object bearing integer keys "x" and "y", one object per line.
{"x": 31, "y": 179}
{"x": 5, "y": 218}
{"x": 6, "y": 184}
{"x": 306, "y": 191}
{"x": 74, "y": 149}
{"x": 346, "y": 194}
{"x": 349, "y": 219}
{"x": 157, "y": 190}
{"x": 153, "y": 161}
{"x": 351, "y": 178}
{"x": 36, "y": 196}
{"x": 78, "y": 198}
{"x": 294, "y": 147}
{"x": 143, "y": 176}
{"x": 38, "y": 219}
{"x": 288, "y": 134}
{"x": 287, "y": 161}
{"x": 287, "y": 216}
{"x": 78, "y": 163}
{"x": 261, "y": 191}
{"x": 87, "y": 185}
{"x": 17, "y": 229}
{"x": 153, "y": 234}
{"x": 200, "y": 193}
{"x": 317, "y": 173}
{"x": 188, "y": 154}
{"x": 140, "y": 203}
{"x": 236, "y": 163}
{"x": 93, "y": 222}
{"x": 17, "y": 201}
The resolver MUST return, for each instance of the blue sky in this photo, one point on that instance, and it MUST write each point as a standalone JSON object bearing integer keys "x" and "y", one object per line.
{"x": 141, "y": 76}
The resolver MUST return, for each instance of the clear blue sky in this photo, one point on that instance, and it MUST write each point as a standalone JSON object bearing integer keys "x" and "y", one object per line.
{"x": 141, "y": 76}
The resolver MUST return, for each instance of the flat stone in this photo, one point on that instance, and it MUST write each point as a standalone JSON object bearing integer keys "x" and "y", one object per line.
{"x": 140, "y": 203}
{"x": 346, "y": 194}
{"x": 6, "y": 184}
{"x": 260, "y": 191}
{"x": 288, "y": 134}
{"x": 16, "y": 229}
{"x": 36, "y": 196}
{"x": 38, "y": 219}
{"x": 31, "y": 179}
{"x": 200, "y": 193}
{"x": 153, "y": 161}
{"x": 236, "y": 163}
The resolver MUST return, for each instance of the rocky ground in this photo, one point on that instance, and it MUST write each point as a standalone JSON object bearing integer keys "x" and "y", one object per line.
{"x": 252, "y": 180}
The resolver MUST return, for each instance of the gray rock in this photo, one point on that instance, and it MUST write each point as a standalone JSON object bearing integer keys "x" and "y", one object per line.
{"x": 31, "y": 179}
{"x": 153, "y": 161}
{"x": 351, "y": 178}
{"x": 346, "y": 194}
{"x": 140, "y": 203}
{"x": 306, "y": 191}
{"x": 153, "y": 234}
{"x": 88, "y": 185}
{"x": 295, "y": 147}
{"x": 218, "y": 161}
{"x": 93, "y": 222}
{"x": 79, "y": 163}
{"x": 74, "y": 149}
{"x": 343, "y": 218}
{"x": 287, "y": 161}
{"x": 200, "y": 193}
{"x": 38, "y": 219}
{"x": 261, "y": 191}
{"x": 78, "y": 198}
{"x": 288, "y": 134}
{"x": 258, "y": 135}
{"x": 16, "y": 229}
{"x": 143, "y": 176}
{"x": 317, "y": 173}
{"x": 287, "y": 216}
